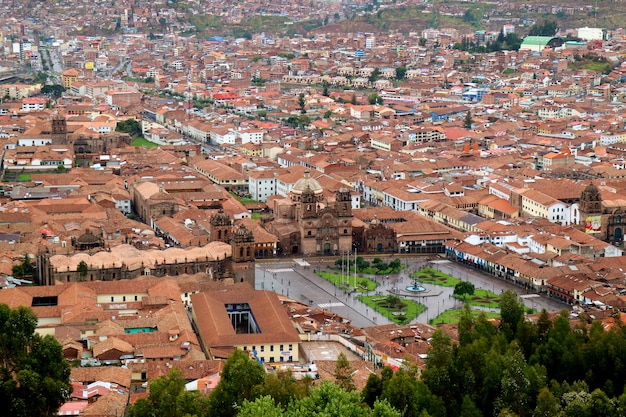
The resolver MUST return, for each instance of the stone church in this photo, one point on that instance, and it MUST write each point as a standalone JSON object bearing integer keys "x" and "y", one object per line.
{"x": 306, "y": 223}
{"x": 604, "y": 219}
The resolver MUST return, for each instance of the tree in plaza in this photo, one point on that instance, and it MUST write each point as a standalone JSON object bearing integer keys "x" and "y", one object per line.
{"x": 343, "y": 373}
{"x": 168, "y": 398}
{"x": 464, "y": 288}
{"x": 239, "y": 381}
{"x": 34, "y": 376}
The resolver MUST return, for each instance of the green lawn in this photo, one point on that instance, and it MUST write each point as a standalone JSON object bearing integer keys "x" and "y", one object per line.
{"x": 244, "y": 200}
{"x": 482, "y": 298}
{"x": 141, "y": 141}
{"x": 256, "y": 216}
{"x": 362, "y": 284}
{"x": 404, "y": 313}
{"x": 23, "y": 177}
{"x": 453, "y": 316}
{"x": 432, "y": 276}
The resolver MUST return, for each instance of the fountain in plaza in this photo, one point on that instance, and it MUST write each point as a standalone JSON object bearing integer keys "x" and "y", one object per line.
{"x": 416, "y": 286}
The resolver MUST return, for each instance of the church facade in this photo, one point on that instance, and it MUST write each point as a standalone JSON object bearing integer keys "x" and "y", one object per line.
{"x": 308, "y": 224}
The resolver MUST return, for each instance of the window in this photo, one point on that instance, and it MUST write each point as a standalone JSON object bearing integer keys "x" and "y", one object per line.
{"x": 281, "y": 348}
{"x": 290, "y": 347}
{"x": 262, "y": 348}
{"x": 271, "y": 348}
{"x": 124, "y": 298}
{"x": 135, "y": 298}
{"x": 112, "y": 299}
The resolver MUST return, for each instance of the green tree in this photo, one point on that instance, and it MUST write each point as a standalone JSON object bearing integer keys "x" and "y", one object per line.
{"x": 239, "y": 381}
{"x": 304, "y": 120}
{"x": 329, "y": 400}
{"x": 263, "y": 406}
{"x": 343, "y": 373}
{"x": 34, "y": 376}
{"x": 374, "y": 98}
{"x": 372, "y": 390}
{"x": 464, "y": 288}
{"x": 547, "y": 28}
{"x": 467, "y": 123}
{"x": 83, "y": 270}
{"x": 53, "y": 91}
{"x": 25, "y": 269}
{"x": 547, "y": 404}
{"x": 168, "y": 398}
{"x": 353, "y": 99}
{"x": 130, "y": 126}
{"x": 327, "y": 114}
{"x": 400, "y": 73}
{"x": 374, "y": 76}
{"x": 440, "y": 372}
{"x": 283, "y": 388}
{"x": 412, "y": 396}
{"x": 511, "y": 312}
{"x": 302, "y": 103}
{"x": 469, "y": 408}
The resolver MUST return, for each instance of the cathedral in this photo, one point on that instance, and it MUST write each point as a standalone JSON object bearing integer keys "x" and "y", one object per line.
{"x": 604, "y": 219}
{"x": 306, "y": 223}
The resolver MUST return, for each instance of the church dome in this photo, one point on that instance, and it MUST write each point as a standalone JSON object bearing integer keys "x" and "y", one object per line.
{"x": 307, "y": 183}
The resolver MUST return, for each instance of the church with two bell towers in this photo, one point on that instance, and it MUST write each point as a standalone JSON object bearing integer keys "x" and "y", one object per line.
{"x": 308, "y": 223}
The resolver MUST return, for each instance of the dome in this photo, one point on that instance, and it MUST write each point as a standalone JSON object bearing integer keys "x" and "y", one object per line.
{"x": 306, "y": 182}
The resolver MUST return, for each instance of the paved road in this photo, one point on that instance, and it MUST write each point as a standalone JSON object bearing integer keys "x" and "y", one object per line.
{"x": 286, "y": 277}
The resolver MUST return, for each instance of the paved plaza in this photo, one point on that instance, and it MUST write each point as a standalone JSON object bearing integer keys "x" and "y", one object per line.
{"x": 296, "y": 279}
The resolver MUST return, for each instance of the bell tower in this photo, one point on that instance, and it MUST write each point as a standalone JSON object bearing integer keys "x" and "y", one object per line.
{"x": 590, "y": 201}
{"x": 59, "y": 129}
{"x": 220, "y": 227}
{"x": 343, "y": 201}
{"x": 243, "y": 247}
{"x": 309, "y": 204}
